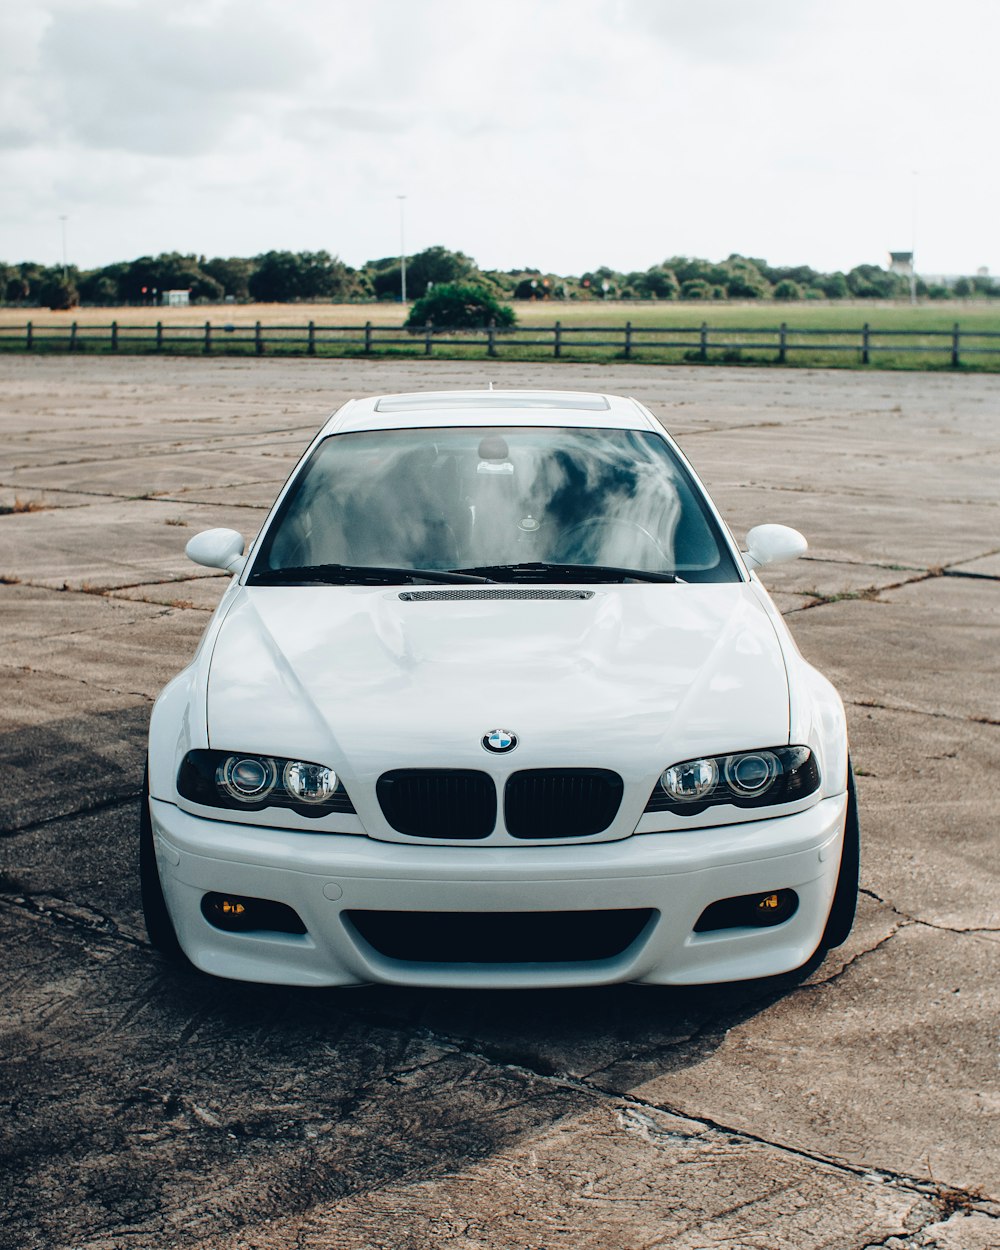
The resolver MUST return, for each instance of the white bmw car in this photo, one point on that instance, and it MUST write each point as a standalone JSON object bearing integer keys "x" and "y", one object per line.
{"x": 495, "y": 700}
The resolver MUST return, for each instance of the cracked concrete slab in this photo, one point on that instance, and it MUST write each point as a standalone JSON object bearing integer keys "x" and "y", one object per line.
{"x": 392, "y": 1138}
{"x": 845, "y": 1106}
{"x": 872, "y": 529}
{"x": 112, "y": 544}
{"x": 939, "y": 660}
{"x": 121, "y": 647}
{"x": 141, "y": 475}
{"x": 818, "y": 579}
{"x": 202, "y": 593}
{"x": 928, "y": 811}
{"x": 901, "y": 1037}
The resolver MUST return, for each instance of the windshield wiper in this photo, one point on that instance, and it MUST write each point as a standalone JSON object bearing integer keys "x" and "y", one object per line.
{"x": 357, "y": 575}
{"x": 539, "y": 571}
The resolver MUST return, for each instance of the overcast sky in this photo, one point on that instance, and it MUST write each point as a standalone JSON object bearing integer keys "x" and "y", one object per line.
{"x": 561, "y": 134}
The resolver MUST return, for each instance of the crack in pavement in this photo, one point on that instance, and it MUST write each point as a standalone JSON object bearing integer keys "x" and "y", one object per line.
{"x": 222, "y": 442}
{"x": 70, "y": 915}
{"x": 873, "y": 593}
{"x": 874, "y": 705}
{"x": 869, "y": 593}
{"x": 111, "y": 496}
{"x": 92, "y": 920}
{"x": 928, "y": 924}
{"x": 86, "y": 809}
{"x": 82, "y": 681}
{"x": 971, "y": 1199}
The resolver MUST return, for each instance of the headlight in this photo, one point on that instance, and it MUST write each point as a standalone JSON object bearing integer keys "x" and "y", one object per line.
{"x": 245, "y": 782}
{"x": 246, "y": 778}
{"x": 309, "y": 783}
{"x": 689, "y": 782}
{"x": 763, "y": 778}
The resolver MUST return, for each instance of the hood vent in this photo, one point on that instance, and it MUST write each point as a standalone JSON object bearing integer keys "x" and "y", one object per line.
{"x": 492, "y": 592}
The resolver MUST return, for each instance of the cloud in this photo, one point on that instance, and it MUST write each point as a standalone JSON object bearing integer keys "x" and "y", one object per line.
{"x": 564, "y": 134}
{"x": 145, "y": 80}
{"x": 720, "y": 31}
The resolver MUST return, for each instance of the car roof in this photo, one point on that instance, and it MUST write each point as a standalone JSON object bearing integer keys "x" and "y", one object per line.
{"x": 420, "y": 409}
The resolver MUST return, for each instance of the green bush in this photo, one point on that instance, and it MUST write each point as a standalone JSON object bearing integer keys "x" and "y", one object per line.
{"x": 57, "y": 293}
{"x": 787, "y": 289}
{"x": 456, "y": 306}
{"x": 696, "y": 288}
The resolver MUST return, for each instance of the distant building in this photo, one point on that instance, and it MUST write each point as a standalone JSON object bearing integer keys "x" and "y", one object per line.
{"x": 901, "y": 263}
{"x": 175, "y": 299}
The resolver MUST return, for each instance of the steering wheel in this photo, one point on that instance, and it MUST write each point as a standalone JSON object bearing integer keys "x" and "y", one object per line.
{"x": 575, "y": 536}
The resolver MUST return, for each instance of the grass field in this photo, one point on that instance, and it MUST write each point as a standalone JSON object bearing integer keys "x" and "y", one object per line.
{"x": 660, "y": 332}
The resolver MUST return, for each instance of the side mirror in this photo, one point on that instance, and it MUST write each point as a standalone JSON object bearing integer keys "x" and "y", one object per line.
{"x": 217, "y": 549}
{"x": 773, "y": 544}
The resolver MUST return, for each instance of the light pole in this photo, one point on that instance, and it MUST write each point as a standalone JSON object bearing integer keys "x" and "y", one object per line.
{"x": 402, "y": 248}
{"x": 913, "y": 241}
{"x": 63, "y": 219}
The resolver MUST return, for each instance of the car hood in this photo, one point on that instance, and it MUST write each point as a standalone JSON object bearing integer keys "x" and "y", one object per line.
{"x": 631, "y": 677}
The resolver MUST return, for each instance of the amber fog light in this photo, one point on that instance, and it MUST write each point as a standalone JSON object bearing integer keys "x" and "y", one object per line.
{"x": 237, "y": 914}
{"x": 749, "y": 911}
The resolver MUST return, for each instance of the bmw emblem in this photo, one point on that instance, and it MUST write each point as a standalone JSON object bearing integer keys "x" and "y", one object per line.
{"x": 499, "y": 741}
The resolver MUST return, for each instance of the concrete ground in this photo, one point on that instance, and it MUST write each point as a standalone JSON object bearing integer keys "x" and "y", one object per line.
{"x": 853, "y": 1105}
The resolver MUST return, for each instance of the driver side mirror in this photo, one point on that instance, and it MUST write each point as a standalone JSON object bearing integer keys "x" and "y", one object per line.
{"x": 217, "y": 549}
{"x": 773, "y": 544}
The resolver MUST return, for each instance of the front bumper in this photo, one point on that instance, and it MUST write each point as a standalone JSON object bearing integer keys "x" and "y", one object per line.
{"x": 677, "y": 875}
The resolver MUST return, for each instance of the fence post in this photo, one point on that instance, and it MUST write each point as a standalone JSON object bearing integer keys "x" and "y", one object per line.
{"x": 114, "y": 336}
{"x": 258, "y": 341}
{"x": 865, "y": 333}
{"x": 368, "y": 337}
{"x": 782, "y": 342}
{"x": 557, "y": 343}
{"x": 29, "y": 339}
{"x": 208, "y": 336}
{"x": 491, "y": 338}
{"x": 311, "y": 349}
{"x": 703, "y": 349}
{"x": 72, "y": 337}
{"x": 428, "y": 338}
{"x": 955, "y": 339}
{"x": 628, "y": 339}
{"x": 159, "y": 336}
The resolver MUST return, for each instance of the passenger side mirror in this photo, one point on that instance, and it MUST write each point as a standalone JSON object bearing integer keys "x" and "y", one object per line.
{"x": 217, "y": 549}
{"x": 773, "y": 544}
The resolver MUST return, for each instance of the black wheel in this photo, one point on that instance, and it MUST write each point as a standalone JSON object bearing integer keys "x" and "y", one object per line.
{"x": 845, "y": 898}
{"x": 159, "y": 926}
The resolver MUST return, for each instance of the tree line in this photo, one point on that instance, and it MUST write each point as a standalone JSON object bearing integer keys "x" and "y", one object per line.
{"x": 289, "y": 277}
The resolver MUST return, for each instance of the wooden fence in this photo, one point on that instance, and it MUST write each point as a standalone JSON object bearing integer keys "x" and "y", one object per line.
{"x": 692, "y": 343}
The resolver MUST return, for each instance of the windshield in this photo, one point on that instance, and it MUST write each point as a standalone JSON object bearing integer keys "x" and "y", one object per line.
{"x": 488, "y": 498}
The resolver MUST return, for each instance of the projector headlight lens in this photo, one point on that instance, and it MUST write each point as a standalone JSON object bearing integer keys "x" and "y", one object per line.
{"x": 751, "y": 775}
{"x": 247, "y": 778}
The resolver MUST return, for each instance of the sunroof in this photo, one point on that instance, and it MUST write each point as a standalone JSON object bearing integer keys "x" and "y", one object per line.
{"x": 493, "y": 399}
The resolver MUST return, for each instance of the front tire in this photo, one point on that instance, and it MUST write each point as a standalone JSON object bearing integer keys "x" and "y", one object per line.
{"x": 159, "y": 926}
{"x": 845, "y": 898}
